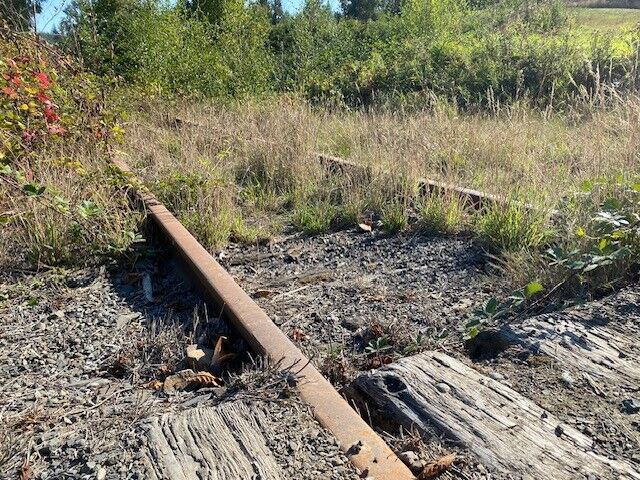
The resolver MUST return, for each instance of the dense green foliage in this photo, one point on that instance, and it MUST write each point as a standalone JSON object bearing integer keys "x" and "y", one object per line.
{"x": 477, "y": 53}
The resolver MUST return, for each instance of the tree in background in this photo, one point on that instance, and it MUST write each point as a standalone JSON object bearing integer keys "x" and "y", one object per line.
{"x": 99, "y": 32}
{"x": 19, "y": 13}
{"x": 274, "y": 8}
{"x": 361, "y": 9}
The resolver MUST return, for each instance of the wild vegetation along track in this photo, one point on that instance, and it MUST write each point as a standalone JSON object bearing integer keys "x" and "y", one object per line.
{"x": 475, "y": 198}
{"x": 366, "y": 450}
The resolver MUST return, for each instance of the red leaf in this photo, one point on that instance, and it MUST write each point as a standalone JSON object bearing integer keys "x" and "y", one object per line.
{"x": 15, "y": 79}
{"x": 10, "y": 92}
{"x": 43, "y": 98}
{"x": 50, "y": 114}
{"x": 43, "y": 79}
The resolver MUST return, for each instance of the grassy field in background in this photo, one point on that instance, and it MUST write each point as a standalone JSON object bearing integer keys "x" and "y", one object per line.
{"x": 616, "y": 23}
{"x": 606, "y": 19}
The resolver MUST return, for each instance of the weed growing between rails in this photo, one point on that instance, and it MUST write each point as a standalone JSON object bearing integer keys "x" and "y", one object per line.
{"x": 252, "y": 167}
{"x": 595, "y": 250}
{"x": 60, "y": 202}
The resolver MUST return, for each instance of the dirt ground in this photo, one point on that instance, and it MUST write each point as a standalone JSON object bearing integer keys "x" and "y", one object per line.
{"x": 354, "y": 300}
{"x": 79, "y": 349}
{"x": 335, "y": 294}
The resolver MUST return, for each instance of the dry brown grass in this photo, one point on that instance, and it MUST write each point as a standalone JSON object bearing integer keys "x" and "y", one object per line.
{"x": 60, "y": 227}
{"x": 242, "y": 166}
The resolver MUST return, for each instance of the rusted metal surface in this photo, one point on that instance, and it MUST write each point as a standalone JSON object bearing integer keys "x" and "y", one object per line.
{"x": 367, "y": 451}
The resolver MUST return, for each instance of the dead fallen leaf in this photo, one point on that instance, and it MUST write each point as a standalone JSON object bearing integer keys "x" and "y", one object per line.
{"x": 376, "y": 330}
{"x": 298, "y": 335}
{"x": 153, "y": 385}
{"x": 378, "y": 361}
{"x": 375, "y": 298}
{"x": 364, "y": 227}
{"x": 194, "y": 353}
{"x": 433, "y": 469}
{"x": 189, "y": 378}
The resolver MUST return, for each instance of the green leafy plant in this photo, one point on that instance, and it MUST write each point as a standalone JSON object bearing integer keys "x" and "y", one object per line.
{"x": 494, "y": 310}
{"x": 378, "y": 345}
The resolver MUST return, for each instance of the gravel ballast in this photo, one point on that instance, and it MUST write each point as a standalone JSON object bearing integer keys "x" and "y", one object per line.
{"x": 340, "y": 291}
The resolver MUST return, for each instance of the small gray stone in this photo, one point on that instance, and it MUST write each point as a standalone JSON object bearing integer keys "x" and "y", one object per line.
{"x": 101, "y": 473}
{"x": 351, "y": 323}
{"x": 496, "y": 376}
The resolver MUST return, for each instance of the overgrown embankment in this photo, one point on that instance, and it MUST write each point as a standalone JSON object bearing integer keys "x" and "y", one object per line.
{"x": 60, "y": 201}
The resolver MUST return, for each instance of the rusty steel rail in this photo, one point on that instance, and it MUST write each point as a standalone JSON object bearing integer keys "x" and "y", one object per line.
{"x": 425, "y": 185}
{"x": 366, "y": 450}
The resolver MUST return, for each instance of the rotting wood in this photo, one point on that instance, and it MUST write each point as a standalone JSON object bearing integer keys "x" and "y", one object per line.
{"x": 508, "y": 432}
{"x": 598, "y": 339}
{"x": 214, "y": 443}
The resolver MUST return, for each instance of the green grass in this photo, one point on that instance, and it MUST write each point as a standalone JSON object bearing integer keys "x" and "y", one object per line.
{"x": 606, "y": 20}
{"x": 616, "y": 25}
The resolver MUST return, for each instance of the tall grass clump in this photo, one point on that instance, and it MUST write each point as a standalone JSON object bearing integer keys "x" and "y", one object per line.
{"x": 513, "y": 226}
{"x": 441, "y": 214}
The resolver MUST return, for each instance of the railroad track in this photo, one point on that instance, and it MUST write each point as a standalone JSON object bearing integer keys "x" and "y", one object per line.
{"x": 367, "y": 451}
{"x": 508, "y": 432}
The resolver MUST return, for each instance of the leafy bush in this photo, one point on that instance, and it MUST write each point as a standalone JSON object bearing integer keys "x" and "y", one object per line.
{"x": 596, "y": 248}
{"x": 60, "y": 201}
{"x": 602, "y": 247}
{"x": 488, "y": 56}
{"x": 172, "y": 48}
